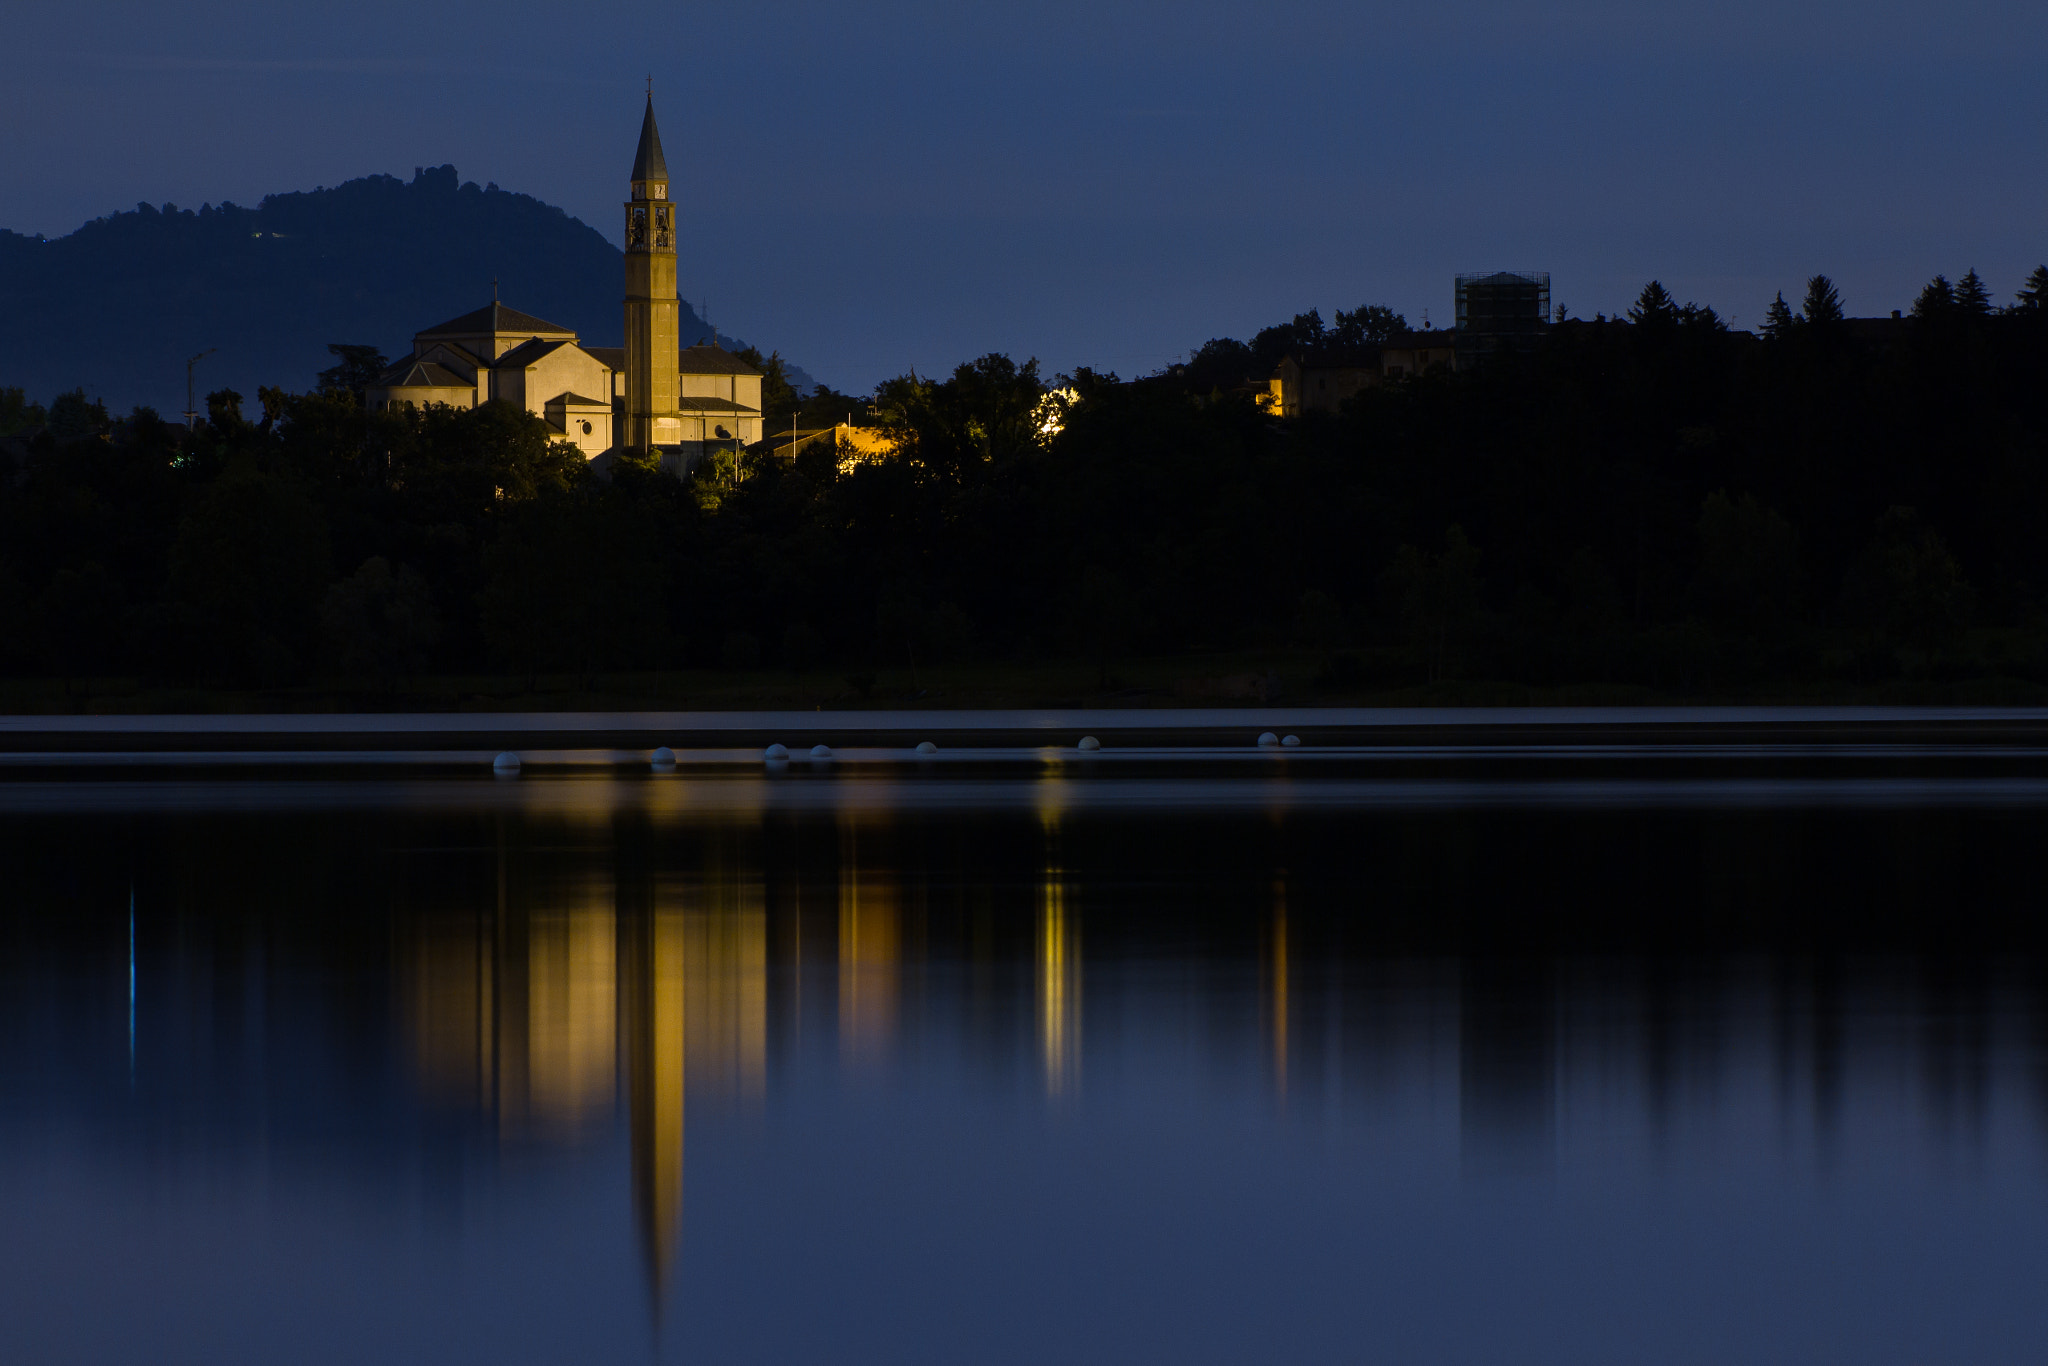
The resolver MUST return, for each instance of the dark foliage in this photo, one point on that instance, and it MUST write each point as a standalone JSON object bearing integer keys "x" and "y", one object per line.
{"x": 1659, "y": 502}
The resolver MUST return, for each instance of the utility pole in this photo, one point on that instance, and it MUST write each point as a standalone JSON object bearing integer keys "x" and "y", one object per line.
{"x": 191, "y": 409}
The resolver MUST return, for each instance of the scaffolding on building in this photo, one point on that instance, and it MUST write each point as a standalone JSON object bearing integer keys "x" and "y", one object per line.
{"x": 1501, "y": 310}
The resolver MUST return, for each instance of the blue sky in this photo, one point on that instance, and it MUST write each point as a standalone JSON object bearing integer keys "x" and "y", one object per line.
{"x": 901, "y": 184}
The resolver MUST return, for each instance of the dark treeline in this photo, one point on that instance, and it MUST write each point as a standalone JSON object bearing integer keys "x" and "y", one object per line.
{"x": 1653, "y": 501}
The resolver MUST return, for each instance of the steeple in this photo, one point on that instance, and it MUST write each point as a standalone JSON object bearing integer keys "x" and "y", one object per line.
{"x": 647, "y": 162}
{"x": 652, "y": 310}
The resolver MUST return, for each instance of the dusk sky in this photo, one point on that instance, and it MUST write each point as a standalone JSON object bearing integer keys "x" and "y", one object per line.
{"x": 875, "y": 187}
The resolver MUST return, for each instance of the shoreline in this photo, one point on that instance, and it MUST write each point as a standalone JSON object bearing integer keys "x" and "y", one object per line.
{"x": 399, "y": 733}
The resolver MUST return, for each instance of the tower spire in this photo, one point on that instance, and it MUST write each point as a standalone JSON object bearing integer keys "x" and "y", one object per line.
{"x": 647, "y": 161}
{"x": 652, "y": 418}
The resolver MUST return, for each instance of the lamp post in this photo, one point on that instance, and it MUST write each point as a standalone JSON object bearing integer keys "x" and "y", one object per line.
{"x": 191, "y": 408}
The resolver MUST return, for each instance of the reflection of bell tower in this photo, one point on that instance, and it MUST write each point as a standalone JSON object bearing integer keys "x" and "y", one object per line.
{"x": 651, "y": 1003}
{"x": 652, "y": 312}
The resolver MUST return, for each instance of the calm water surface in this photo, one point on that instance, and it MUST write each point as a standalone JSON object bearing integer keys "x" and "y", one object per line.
{"x": 1021, "y": 1067}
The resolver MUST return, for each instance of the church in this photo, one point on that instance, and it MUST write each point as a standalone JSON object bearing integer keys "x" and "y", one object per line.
{"x": 652, "y": 396}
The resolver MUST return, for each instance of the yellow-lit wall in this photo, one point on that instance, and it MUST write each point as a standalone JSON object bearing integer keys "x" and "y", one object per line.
{"x": 652, "y": 323}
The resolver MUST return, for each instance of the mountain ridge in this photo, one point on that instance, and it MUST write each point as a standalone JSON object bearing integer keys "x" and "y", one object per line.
{"x": 118, "y": 305}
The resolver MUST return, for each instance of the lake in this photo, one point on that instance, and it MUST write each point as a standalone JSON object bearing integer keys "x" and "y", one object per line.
{"x": 1692, "y": 1052}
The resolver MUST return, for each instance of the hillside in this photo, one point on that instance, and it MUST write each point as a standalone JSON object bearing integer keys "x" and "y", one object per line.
{"x": 117, "y": 306}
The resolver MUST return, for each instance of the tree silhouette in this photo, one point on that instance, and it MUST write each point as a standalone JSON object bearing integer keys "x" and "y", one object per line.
{"x": 2034, "y": 295}
{"x": 1779, "y": 319}
{"x": 1654, "y": 307}
{"x": 355, "y": 369}
{"x": 1971, "y": 296}
{"x": 1367, "y": 325}
{"x": 1936, "y": 300}
{"x": 1823, "y": 306}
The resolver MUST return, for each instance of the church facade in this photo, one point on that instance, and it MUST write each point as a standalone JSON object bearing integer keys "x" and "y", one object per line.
{"x": 651, "y": 396}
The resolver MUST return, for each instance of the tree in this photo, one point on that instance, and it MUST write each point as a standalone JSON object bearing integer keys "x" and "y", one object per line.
{"x": 2033, "y": 297}
{"x": 779, "y": 398}
{"x": 1971, "y": 296}
{"x": 1221, "y": 363}
{"x": 224, "y": 411}
{"x": 355, "y": 370}
{"x": 251, "y": 561}
{"x": 1436, "y": 600}
{"x": 1304, "y": 336}
{"x": 1779, "y": 319}
{"x": 1367, "y": 325}
{"x": 1654, "y": 308}
{"x": 82, "y": 620}
{"x": 1908, "y": 586}
{"x": 574, "y": 582}
{"x": 73, "y": 417}
{"x": 1823, "y": 307}
{"x": 379, "y": 621}
{"x": 1749, "y": 563}
{"x": 17, "y": 415}
{"x": 982, "y": 418}
{"x": 1937, "y": 299}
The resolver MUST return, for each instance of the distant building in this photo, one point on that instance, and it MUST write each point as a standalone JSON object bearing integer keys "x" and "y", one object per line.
{"x": 1319, "y": 384}
{"x": 501, "y": 353}
{"x": 1418, "y": 353}
{"x": 1505, "y": 310}
{"x": 650, "y": 395}
{"x": 1324, "y": 384}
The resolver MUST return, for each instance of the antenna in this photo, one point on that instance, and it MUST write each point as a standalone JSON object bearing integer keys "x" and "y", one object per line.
{"x": 494, "y": 289}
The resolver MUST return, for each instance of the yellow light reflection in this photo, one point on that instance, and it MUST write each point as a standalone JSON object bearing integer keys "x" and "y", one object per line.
{"x": 530, "y": 1014}
{"x": 1059, "y": 987}
{"x": 870, "y": 956}
{"x": 571, "y": 1017}
{"x": 656, "y": 973}
{"x": 726, "y": 996}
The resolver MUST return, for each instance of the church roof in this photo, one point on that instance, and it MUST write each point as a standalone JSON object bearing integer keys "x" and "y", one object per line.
{"x": 703, "y": 403}
{"x": 529, "y": 351}
{"x": 614, "y": 356}
{"x": 421, "y": 375}
{"x": 494, "y": 317}
{"x": 647, "y": 162}
{"x": 576, "y": 401}
{"x": 713, "y": 360}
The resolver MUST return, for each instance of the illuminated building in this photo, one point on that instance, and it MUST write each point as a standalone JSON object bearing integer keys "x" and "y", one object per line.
{"x": 651, "y": 396}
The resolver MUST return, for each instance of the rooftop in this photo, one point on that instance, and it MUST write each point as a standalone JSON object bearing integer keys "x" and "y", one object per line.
{"x": 713, "y": 360}
{"x": 494, "y": 319}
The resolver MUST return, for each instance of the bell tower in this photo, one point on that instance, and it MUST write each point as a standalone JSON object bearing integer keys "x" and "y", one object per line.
{"x": 652, "y": 312}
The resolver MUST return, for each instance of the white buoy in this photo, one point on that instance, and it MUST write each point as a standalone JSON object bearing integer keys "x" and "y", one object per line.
{"x": 927, "y": 747}
{"x": 663, "y": 759}
{"x": 1291, "y": 741}
{"x": 774, "y": 752}
{"x": 1089, "y": 743}
{"x": 821, "y": 751}
{"x": 1269, "y": 740}
{"x": 506, "y": 765}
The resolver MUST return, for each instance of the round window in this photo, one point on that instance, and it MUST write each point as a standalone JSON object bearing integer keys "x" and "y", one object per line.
{"x": 586, "y": 429}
